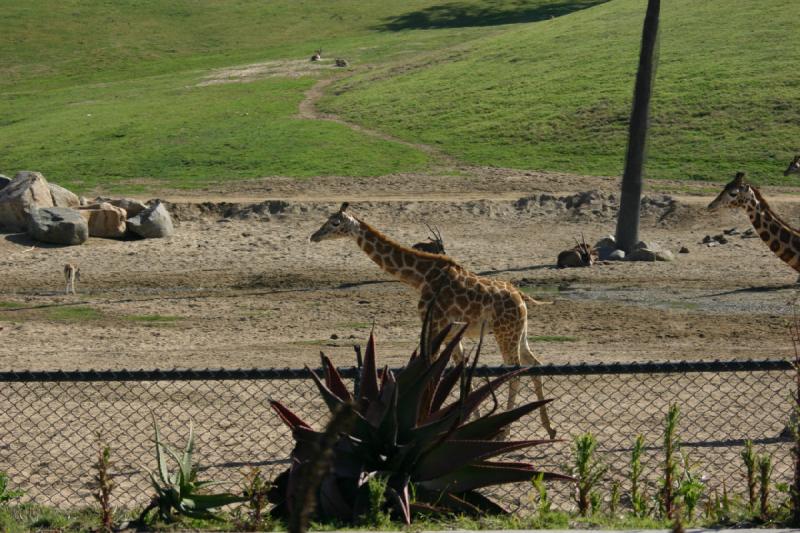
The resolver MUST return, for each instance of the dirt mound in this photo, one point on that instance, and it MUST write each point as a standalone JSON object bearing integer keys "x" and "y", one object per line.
{"x": 263, "y": 211}
{"x": 596, "y": 205}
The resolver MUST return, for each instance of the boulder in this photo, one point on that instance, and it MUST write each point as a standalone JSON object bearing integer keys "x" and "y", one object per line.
{"x": 25, "y": 193}
{"x": 4, "y": 180}
{"x": 104, "y": 220}
{"x": 616, "y": 255}
{"x": 131, "y": 206}
{"x": 153, "y": 222}
{"x": 641, "y": 254}
{"x": 57, "y": 225}
{"x": 62, "y": 197}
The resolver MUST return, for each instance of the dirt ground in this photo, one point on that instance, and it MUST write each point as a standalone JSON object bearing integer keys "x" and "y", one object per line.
{"x": 240, "y": 285}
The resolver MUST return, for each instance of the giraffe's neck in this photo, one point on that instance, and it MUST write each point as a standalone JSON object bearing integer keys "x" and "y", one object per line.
{"x": 408, "y": 265}
{"x": 782, "y": 239}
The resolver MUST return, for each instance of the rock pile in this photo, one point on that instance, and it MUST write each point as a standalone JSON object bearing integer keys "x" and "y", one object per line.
{"x": 643, "y": 251}
{"x": 726, "y": 235}
{"x": 52, "y": 214}
{"x": 594, "y": 205}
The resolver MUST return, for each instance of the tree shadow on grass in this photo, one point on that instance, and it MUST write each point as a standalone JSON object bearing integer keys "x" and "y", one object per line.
{"x": 489, "y": 13}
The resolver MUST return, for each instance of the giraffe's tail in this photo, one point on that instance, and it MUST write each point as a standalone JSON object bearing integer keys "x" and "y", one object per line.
{"x": 532, "y": 301}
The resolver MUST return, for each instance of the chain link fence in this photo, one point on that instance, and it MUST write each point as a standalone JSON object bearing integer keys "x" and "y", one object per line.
{"x": 51, "y": 423}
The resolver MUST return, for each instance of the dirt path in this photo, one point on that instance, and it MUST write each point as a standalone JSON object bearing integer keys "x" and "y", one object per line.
{"x": 308, "y": 110}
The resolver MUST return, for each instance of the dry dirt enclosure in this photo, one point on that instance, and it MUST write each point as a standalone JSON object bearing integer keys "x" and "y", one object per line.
{"x": 239, "y": 285}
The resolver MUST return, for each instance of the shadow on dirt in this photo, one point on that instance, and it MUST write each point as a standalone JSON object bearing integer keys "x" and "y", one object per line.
{"x": 492, "y": 13}
{"x": 756, "y": 290}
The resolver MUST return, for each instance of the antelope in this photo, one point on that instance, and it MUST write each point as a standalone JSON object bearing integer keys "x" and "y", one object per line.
{"x": 434, "y": 244}
{"x": 317, "y": 55}
{"x": 71, "y": 274}
{"x": 581, "y": 255}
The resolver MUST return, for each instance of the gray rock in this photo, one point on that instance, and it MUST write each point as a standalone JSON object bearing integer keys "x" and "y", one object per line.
{"x": 609, "y": 241}
{"x": 131, "y": 206}
{"x": 153, "y": 222}
{"x": 4, "y": 180}
{"x": 683, "y": 250}
{"x": 26, "y": 192}
{"x": 642, "y": 254}
{"x": 63, "y": 197}
{"x": 644, "y": 245}
{"x": 57, "y": 225}
{"x": 604, "y": 253}
{"x": 665, "y": 255}
{"x": 616, "y": 255}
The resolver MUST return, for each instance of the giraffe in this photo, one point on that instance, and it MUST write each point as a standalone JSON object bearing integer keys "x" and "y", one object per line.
{"x": 782, "y": 239}
{"x": 793, "y": 167}
{"x": 71, "y": 274}
{"x": 454, "y": 294}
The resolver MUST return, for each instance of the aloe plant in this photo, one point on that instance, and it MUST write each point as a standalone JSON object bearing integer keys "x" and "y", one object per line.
{"x": 408, "y": 435}
{"x": 180, "y": 492}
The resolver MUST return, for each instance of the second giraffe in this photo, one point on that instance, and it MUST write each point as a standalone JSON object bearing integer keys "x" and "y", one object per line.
{"x": 454, "y": 294}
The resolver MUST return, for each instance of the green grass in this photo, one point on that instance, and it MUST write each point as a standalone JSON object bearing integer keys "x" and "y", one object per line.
{"x": 103, "y": 96}
{"x": 74, "y": 313}
{"x": 556, "y": 95}
{"x": 10, "y": 305}
{"x": 153, "y": 319}
{"x": 552, "y": 338}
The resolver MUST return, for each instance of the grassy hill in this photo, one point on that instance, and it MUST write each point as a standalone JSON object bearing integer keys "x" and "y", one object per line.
{"x": 555, "y": 95}
{"x": 113, "y": 95}
{"x": 108, "y": 95}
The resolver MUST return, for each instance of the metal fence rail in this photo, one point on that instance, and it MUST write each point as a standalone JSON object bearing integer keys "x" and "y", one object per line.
{"x": 50, "y": 422}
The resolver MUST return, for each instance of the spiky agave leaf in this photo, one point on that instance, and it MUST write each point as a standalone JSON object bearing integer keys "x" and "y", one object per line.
{"x": 181, "y": 491}
{"x": 404, "y": 433}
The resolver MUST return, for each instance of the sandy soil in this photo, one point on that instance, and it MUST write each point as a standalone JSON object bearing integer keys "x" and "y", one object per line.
{"x": 239, "y": 285}
{"x": 248, "y": 289}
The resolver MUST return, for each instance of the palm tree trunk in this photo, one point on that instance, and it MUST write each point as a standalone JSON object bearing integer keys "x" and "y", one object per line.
{"x": 628, "y": 219}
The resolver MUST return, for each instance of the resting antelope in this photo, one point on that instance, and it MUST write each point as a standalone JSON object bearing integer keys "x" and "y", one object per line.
{"x": 434, "y": 244}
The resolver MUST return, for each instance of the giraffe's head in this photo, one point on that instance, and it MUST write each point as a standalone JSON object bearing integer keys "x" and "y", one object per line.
{"x": 340, "y": 224}
{"x": 794, "y": 166}
{"x": 737, "y": 193}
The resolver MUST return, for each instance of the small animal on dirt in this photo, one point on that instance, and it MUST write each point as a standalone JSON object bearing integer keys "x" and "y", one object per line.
{"x": 434, "y": 244}
{"x": 72, "y": 274}
{"x": 794, "y": 166}
{"x": 581, "y": 255}
{"x": 341, "y": 62}
{"x": 317, "y": 55}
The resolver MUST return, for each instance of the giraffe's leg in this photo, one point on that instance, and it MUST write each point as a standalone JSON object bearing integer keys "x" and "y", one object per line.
{"x": 509, "y": 349}
{"x": 527, "y": 357}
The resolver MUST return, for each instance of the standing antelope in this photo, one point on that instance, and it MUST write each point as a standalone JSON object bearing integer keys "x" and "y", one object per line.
{"x": 71, "y": 274}
{"x": 794, "y": 166}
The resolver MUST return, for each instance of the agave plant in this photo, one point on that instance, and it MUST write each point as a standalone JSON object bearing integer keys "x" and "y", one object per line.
{"x": 180, "y": 491}
{"x": 408, "y": 435}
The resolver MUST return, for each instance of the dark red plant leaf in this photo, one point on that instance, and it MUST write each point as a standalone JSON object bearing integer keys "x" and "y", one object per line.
{"x": 334, "y": 380}
{"x": 288, "y": 417}
{"x": 369, "y": 373}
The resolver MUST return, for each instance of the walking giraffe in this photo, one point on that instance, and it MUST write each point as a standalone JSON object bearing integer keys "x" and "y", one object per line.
{"x": 782, "y": 239}
{"x": 453, "y": 294}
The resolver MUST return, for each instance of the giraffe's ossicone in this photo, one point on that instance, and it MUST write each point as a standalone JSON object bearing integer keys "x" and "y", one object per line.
{"x": 453, "y": 293}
